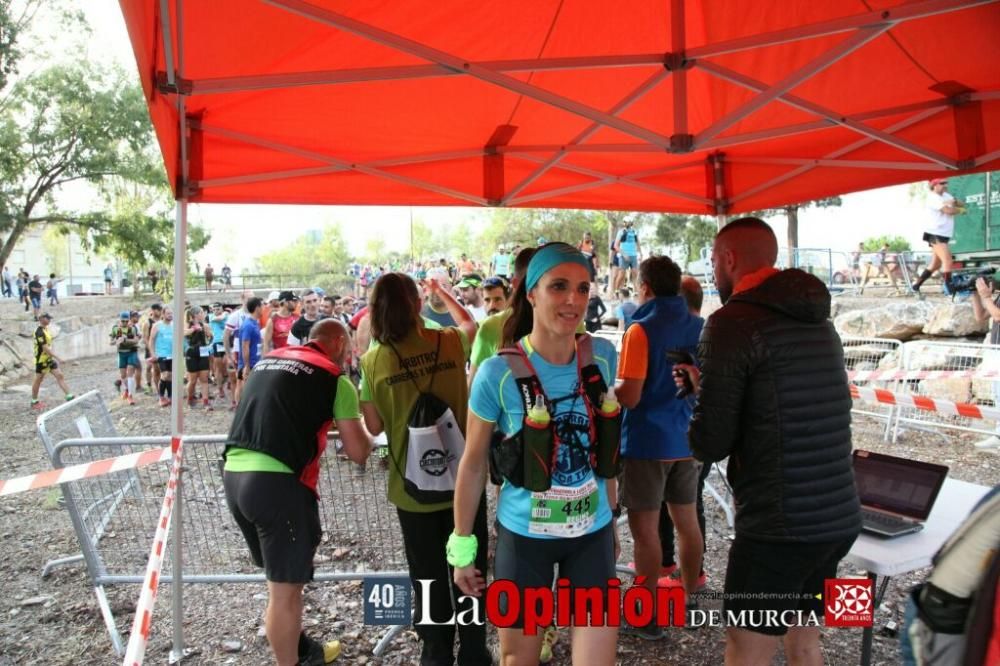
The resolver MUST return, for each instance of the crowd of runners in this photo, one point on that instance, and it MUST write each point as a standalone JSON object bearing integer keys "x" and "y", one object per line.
{"x": 477, "y": 370}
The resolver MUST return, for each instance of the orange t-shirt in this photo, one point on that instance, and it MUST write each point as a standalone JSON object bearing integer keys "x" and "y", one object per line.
{"x": 633, "y": 359}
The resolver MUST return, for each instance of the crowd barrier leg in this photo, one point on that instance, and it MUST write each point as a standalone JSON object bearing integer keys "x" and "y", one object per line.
{"x": 109, "y": 620}
{"x": 61, "y": 561}
{"x": 723, "y": 503}
{"x": 390, "y": 635}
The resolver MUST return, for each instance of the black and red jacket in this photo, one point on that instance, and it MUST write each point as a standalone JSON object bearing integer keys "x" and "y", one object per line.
{"x": 286, "y": 409}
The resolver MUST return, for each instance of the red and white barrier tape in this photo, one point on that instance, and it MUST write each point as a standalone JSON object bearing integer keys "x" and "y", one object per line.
{"x": 886, "y": 375}
{"x": 83, "y": 471}
{"x": 137, "y": 640}
{"x": 938, "y": 405}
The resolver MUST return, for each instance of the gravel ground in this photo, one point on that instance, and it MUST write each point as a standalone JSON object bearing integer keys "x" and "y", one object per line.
{"x": 56, "y": 620}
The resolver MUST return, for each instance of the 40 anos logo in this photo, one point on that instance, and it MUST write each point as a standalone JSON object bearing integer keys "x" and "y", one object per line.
{"x": 848, "y": 602}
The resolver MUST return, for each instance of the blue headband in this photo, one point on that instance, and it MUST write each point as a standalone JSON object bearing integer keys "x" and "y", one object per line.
{"x": 548, "y": 257}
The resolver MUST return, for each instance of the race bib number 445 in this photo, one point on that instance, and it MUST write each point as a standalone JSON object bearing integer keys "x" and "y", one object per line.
{"x": 563, "y": 511}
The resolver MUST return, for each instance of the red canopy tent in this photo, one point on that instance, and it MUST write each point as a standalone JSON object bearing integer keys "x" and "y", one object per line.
{"x": 715, "y": 106}
{"x": 699, "y": 106}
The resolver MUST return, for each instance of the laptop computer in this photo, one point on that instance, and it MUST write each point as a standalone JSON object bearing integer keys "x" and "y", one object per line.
{"x": 897, "y": 494}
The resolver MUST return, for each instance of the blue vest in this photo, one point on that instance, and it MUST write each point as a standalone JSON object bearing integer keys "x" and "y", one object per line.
{"x": 656, "y": 428}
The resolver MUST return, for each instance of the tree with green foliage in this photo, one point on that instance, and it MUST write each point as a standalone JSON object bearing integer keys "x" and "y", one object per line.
{"x": 307, "y": 257}
{"x": 895, "y": 243}
{"x": 692, "y": 232}
{"x": 14, "y": 18}
{"x": 791, "y": 213}
{"x": 71, "y": 124}
{"x": 524, "y": 226}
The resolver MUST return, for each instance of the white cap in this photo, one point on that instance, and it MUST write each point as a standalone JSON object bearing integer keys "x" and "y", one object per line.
{"x": 274, "y": 296}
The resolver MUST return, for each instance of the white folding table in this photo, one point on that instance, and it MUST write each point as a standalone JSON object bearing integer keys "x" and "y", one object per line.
{"x": 891, "y": 557}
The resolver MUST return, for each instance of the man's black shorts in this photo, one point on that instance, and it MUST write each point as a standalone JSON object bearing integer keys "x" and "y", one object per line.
{"x": 792, "y": 572}
{"x": 165, "y": 364}
{"x": 197, "y": 363}
{"x": 279, "y": 518}
{"x": 932, "y": 239}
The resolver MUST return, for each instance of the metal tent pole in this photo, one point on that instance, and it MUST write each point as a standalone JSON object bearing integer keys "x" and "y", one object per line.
{"x": 177, "y": 651}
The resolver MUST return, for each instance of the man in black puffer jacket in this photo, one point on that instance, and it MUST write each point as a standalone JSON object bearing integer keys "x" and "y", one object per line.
{"x": 774, "y": 399}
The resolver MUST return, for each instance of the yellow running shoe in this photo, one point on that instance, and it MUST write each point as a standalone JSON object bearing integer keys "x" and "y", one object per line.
{"x": 549, "y": 640}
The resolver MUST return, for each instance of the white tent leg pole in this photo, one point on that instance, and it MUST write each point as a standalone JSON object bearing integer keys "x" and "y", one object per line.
{"x": 177, "y": 426}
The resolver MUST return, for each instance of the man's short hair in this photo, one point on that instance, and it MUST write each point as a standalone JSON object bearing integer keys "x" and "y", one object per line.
{"x": 253, "y": 304}
{"x": 750, "y": 224}
{"x": 156, "y": 306}
{"x": 692, "y": 293}
{"x": 661, "y": 275}
{"x": 328, "y": 329}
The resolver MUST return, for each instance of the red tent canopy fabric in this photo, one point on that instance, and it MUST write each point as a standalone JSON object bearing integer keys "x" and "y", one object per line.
{"x": 698, "y": 106}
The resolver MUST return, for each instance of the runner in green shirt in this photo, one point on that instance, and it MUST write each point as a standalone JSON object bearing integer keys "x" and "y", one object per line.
{"x": 407, "y": 360}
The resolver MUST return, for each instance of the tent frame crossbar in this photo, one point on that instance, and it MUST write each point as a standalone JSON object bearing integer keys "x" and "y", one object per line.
{"x": 866, "y": 27}
{"x": 860, "y": 143}
{"x": 804, "y": 105}
{"x": 628, "y": 100}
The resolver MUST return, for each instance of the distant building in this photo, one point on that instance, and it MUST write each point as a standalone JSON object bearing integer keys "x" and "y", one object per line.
{"x": 44, "y": 253}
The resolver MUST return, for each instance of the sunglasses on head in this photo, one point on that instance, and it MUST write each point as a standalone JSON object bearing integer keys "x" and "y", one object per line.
{"x": 494, "y": 282}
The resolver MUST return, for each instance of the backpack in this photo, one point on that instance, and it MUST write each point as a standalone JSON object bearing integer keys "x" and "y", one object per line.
{"x": 434, "y": 444}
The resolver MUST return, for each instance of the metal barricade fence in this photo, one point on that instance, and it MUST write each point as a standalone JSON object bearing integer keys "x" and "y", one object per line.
{"x": 86, "y": 416}
{"x": 866, "y": 354}
{"x": 114, "y": 514}
{"x": 924, "y": 355}
{"x": 910, "y": 265}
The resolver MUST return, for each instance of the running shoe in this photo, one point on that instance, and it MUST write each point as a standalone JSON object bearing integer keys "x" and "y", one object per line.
{"x": 130, "y": 399}
{"x": 651, "y": 632}
{"x": 118, "y": 384}
{"x": 207, "y": 404}
{"x": 665, "y": 570}
{"x": 164, "y": 402}
{"x": 549, "y": 640}
{"x": 37, "y": 405}
{"x": 69, "y": 396}
{"x": 319, "y": 655}
{"x": 675, "y": 581}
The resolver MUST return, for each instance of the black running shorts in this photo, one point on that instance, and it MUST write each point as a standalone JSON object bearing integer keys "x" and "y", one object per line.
{"x": 764, "y": 575}
{"x": 279, "y": 518}
{"x": 586, "y": 561}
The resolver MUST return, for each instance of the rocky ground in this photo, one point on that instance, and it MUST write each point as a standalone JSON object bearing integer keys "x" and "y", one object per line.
{"x": 56, "y": 620}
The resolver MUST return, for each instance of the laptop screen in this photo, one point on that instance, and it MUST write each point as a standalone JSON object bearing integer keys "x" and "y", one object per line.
{"x": 899, "y": 485}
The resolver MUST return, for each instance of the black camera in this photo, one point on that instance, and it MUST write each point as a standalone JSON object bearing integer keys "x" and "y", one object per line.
{"x": 966, "y": 282}
{"x": 682, "y": 357}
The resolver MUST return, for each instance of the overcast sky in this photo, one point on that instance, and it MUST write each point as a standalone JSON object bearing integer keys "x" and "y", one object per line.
{"x": 241, "y": 232}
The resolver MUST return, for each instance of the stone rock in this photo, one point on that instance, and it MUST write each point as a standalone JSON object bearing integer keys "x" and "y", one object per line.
{"x": 890, "y": 361}
{"x": 954, "y": 320}
{"x": 928, "y": 358}
{"x": 898, "y": 321}
{"x": 232, "y": 646}
{"x": 982, "y": 391}
{"x": 35, "y": 601}
{"x": 956, "y": 389}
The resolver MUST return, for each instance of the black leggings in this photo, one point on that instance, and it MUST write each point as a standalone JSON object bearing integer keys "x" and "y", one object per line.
{"x": 425, "y": 536}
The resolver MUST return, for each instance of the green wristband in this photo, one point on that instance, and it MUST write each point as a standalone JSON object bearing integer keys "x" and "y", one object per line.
{"x": 461, "y": 550}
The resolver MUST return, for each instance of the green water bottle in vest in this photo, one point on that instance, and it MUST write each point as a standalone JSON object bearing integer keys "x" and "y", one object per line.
{"x": 607, "y": 448}
{"x": 539, "y": 447}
